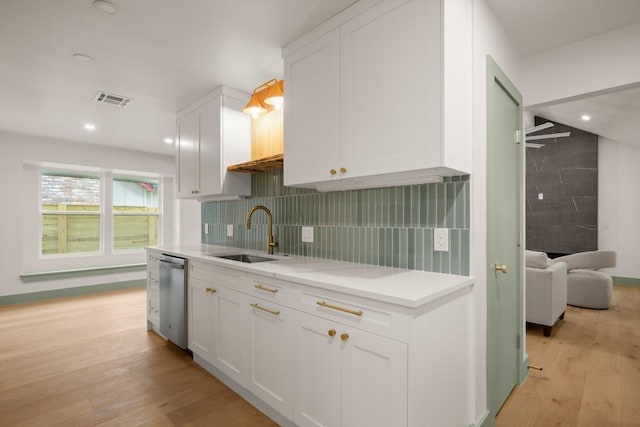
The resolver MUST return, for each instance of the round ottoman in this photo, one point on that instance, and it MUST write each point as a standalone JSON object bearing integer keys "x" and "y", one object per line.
{"x": 589, "y": 289}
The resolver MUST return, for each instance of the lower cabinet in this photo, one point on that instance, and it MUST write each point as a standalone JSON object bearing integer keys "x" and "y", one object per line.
{"x": 217, "y": 321}
{"x": 316, "y": 357}
{"x": 153, "y": 291}
{"x": 347, "y": 377}
{"x": 270, "y": 354}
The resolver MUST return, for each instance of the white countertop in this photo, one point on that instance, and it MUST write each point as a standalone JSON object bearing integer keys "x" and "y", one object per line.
{"x": 409, "y": 288}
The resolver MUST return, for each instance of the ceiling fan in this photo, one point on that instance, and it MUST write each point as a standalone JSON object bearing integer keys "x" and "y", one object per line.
{"x": 534, "y": 129}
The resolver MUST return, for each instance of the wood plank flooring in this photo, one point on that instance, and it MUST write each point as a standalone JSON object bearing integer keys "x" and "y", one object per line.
{"x": 591, "y": 369}
{"x": 88, "y": 361}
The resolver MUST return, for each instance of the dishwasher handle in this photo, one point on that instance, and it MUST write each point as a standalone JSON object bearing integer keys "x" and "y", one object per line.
{"x": 172, "y": 265}
{"x": 171, "y": 262}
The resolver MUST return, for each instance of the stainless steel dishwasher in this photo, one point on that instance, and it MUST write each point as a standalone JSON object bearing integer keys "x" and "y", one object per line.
{"x": 173, "y": 300}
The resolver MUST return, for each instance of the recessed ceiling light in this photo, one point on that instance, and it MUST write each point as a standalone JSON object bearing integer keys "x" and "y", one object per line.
{"x": 106, "y": 6}
{"x": 168, "y": 141}
{"x": 585, "y": 117}
{"x": 89, "y": 126}
{"x": 81, "y": 57}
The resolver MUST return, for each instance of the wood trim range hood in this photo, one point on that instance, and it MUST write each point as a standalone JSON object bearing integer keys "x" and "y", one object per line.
{"x": 266, "y": 144}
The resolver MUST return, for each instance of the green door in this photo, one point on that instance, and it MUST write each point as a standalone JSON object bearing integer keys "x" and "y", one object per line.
{"x": 504, "y": 225}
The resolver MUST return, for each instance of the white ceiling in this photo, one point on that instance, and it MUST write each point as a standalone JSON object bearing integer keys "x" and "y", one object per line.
{"x": 166, "y": 53}
{"x": 162, "y": 53}
{"x": 541, "y": 25}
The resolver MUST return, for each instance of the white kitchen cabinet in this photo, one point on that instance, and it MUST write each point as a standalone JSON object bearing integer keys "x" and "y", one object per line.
{"x": 202, "y": 316}
{"x": 404, "y": 97}
{"x": 153, "y": 291}
{"x": 212, "y": 134}
{"x": 270, "y": 354}
{"x": 312, "y": 113}
{"x": 347, "y": 377}
{"x": 218, "y": 318}
{"x": 318, "y": 356}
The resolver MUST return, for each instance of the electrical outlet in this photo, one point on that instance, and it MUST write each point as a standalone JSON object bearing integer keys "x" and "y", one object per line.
{"x": 540, "y": 196}
{"x": 229, "y": 230}
{"x": 307, "y": 234}
{"x": 206, "y": 228}
{"x": 441, "y": 239}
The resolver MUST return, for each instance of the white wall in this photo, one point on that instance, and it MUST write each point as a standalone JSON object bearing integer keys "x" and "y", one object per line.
{"x": 592, "y": 65}
{"x": 488, "y": 39}
{"x": 619, "y": 204}
{"x": 17, "y": 150}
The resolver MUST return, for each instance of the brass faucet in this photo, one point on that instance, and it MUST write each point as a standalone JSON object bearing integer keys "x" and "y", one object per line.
{"x": 272, "y": 243}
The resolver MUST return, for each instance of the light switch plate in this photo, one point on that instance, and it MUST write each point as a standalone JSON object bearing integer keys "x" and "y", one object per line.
{"x": 307, "y": 234}
{"x": 229, "y": 230}
{"x": 441, "y": 239}
{"x": 206, "y": 228}
{"x": 540, "y": 196}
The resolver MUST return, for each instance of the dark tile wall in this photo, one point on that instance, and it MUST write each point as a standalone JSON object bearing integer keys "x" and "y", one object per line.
{"x": 384, "y": 226}
{"x": 565, "y": 170}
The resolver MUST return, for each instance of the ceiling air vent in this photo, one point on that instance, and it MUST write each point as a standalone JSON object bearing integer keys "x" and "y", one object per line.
{"x": 109, "y": 98}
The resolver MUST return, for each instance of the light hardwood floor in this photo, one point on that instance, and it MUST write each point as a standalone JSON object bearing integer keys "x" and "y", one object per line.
{"x": 591, "y": 369}
{"x": 89, "y": 360}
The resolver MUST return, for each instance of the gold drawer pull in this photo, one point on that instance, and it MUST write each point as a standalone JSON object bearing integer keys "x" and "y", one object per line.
{"x": 333, "y": 172}
{"x": 331, "y": 332}
{"x": 274, "y": 312}
{"x": 343, "y": 170}
{"x": 263, "y": 288}
{"x": 335, "y": 307}
{"x": 213, "y": 291}
{"x": 344, "y": 337}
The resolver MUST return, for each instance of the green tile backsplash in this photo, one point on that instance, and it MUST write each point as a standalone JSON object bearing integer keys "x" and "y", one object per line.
{"x": 383, "y": 226}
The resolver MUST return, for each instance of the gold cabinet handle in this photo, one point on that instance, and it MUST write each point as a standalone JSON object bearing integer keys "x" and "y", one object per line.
{"x": 501, "y": 268}
{"x": 344, "y": 337}
{"x": 335, "y": 307}
{"x": 331, "y": 332}
{"x": 333, "y": 172}
{"x": 274, "y": 312}
{"x": 211, "y": 290}
{"x": 264, "y": 288}
{"x": 343, "y": 170}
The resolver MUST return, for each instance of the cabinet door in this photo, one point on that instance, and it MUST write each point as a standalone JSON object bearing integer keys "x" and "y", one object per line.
{"x": 391, "y": 88}
{"x": 230, "y": 334}
{"x": 312, "y": 111}
{"x": 374, "y": 381}
{"x": 316, "y": 375}
{"x": 187, "y": 148}
{"x": 202, "y": 315}
{"x": 210, "y": 163}
{"x": 270, "y": 355}
{"x": 153, "y": 306}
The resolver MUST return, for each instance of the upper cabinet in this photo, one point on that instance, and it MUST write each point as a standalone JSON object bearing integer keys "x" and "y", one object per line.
{"x": 212, "y": 134}
{"x": 380, "y": 95}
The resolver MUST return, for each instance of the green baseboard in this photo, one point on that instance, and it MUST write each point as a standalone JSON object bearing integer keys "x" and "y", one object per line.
{"x": 625, "y": 281}
{"x": 486, "y": 420}
{"x": 70, "y": 292}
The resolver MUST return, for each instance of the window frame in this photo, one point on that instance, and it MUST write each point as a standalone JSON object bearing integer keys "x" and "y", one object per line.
{"x": 139, "y": 178}
{"x": 105, "y": 213}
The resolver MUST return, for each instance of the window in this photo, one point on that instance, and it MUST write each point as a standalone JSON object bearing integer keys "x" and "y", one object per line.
{"x": 81, "y": 211}
{"x": 135, "y": 213}
{"x": 70, "y": 208}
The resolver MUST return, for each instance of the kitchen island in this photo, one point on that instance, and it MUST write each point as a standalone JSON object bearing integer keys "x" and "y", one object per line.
{"x": 316, "y": 342}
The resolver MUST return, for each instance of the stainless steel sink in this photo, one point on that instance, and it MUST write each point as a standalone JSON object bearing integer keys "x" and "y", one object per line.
{"x": 245, "y": 258}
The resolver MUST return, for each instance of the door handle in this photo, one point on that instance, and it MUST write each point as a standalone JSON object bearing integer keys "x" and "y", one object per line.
{"x": 500, "y": 268}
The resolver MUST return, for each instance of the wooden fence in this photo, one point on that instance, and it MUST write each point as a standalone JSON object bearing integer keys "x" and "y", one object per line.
{"x": 81, "y": 233}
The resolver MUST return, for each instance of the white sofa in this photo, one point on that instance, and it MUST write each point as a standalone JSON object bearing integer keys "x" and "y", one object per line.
{"x": 546, "y": 285}
{"x": 587, "y": 287}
